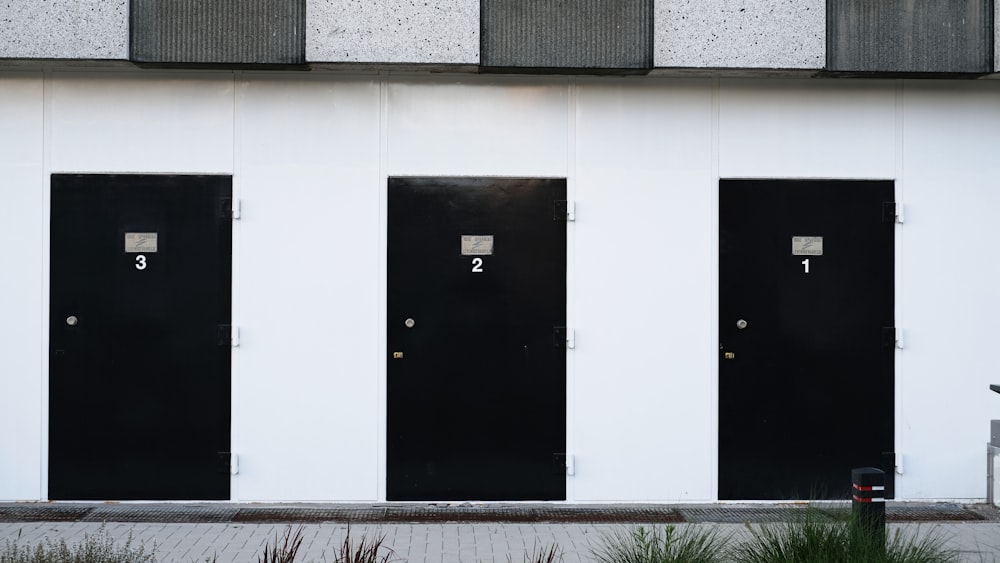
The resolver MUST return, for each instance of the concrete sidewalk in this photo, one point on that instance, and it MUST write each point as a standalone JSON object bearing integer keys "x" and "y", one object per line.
{"x": 448, "y": 542}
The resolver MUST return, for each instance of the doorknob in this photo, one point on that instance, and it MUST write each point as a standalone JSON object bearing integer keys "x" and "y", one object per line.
{"x": 72, "y": 320}
{"x": 409, "y": 323}
{"x": 741, "y": 324}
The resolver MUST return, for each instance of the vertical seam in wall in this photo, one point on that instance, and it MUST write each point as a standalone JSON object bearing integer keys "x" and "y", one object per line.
{"x": 382, "y": 185}
{"x": 713, "y": 235}
{"x": 898, "y": 293}
{"x": 571, "y": 175}
{"x": 44, "y": 287}
{"x": 234, "y": 381}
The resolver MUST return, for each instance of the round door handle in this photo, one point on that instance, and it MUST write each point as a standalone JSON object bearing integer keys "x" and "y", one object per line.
{"x": 741, "y": 324}
{"x": 409, "y": 323}
{"x": 72, "y": 320}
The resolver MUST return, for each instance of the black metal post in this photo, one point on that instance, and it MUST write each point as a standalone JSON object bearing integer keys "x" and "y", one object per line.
{"x": 868, "y": 507}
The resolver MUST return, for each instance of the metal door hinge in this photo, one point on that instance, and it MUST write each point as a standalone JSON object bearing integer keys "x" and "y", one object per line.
{"x": 229, "y": 335}
{"x": 229, "y": 208}
{"x": 892, "y": 212}
{"x": 892, "y": 337}
{"x": 563, "y": 337}
{"x": 225, "y": 463}
{"x": 559, "y": 466}
{"x": 563, "y": 210}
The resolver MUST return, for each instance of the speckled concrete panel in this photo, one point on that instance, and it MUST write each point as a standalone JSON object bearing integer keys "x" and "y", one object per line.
{"x": 771, "y": 34}
{"x": 996, "y": 37}
{"x": 393, "y": 31}
{"x": 64, "y": 29}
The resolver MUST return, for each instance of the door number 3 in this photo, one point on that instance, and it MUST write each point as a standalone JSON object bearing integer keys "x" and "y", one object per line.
{"x": 477, "y": 265}
{"x": 140, "y": 262}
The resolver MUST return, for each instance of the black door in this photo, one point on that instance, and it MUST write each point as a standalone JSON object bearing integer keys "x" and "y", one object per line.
{"x": 477, "y": 359}
{"x": 806, "y": 348}
{"x": 139, "y": 376}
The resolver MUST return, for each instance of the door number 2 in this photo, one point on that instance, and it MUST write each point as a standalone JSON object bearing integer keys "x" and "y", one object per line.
{"x": 140, "y": 262}
{"x": 805, "y": 264}
{"x": 477, "y": 265}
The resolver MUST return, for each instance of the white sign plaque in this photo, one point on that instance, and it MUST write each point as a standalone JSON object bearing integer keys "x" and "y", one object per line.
{"x": 807, "y": 246}
{"x": 140, "y": 243}
{"x": 477, "y": 245}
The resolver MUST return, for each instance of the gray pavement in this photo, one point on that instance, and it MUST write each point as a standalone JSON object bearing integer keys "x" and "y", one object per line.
{"x": 449, "y": 542}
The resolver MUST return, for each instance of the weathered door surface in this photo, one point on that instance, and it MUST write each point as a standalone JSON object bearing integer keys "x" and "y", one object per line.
{"x": 805, "y": 330}
{"x": 477, "y": 364}
{"x": 139, "y": 371}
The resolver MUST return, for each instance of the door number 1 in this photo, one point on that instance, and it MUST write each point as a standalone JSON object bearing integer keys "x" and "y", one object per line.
{"x": 477, "y": 265}
{"x": 140, "y": 262}
{"x": 805, "y": 264}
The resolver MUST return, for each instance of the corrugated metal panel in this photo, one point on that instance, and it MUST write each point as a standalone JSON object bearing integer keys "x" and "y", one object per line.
{"x": 913, "y": 36}
{"x": 218, "y": 31}
{"x": 569, "y": 34}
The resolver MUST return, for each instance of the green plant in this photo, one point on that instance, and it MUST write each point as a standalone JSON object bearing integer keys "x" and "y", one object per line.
{"x": 93, "y": 548}
{"x": 284, "y": 550}
{"x": 366, "y": 550}
{"x": 681, "y": 545}
{"x": 814, "y": 540}
{"x": 541, "y": 554}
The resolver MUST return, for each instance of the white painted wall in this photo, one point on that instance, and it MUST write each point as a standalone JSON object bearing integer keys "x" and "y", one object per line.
{"x": 645, "y": 248}
{"x": 21, "y": 254}
{"x": 310, "y": 155}
{"x": 807, "y": 129}
{"x": 948, "y": 289}
{"x": 128, "y": 122}
{"x": 308, "y": 422}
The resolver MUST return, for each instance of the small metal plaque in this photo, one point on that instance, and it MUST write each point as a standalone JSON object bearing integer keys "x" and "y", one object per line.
{"x": 807, "y": 246}
{"x": 477, "y": 245}
{"x": 140, "y": 243}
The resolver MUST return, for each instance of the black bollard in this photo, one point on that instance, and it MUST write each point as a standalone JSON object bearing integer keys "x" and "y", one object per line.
{"x": 868, "y": 507}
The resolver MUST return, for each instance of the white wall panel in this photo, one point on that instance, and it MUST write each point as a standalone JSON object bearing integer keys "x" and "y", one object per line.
{"x": 307, "y": 414}
{"x": 643, "y": 157}
{"x": 150, "y": 122}
{"x": 645, "y": 261}
{"x": 949, "y": 286}
{"x": 504, "y": 127}
{"x": 22, "y": 225}
{"x": 806, "y": 129}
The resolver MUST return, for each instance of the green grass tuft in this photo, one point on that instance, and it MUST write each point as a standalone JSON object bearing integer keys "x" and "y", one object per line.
{"x": 96, "y": 548}
{"x": 822, "y": 540}
{"x": 691, "y": 544}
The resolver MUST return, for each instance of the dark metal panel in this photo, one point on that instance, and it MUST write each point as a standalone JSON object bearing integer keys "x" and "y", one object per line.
{"x": 139, "y": 390}
{"x": 806, "y": 382}
{"x": 476, "y": 388}
{"x": 262, "y": 32}
{"x": 567, "y": 34}
{"x": 910, "y": 36}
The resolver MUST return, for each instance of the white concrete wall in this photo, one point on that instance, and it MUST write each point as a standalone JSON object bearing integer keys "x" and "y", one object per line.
{"x": 948, "y": 290}
{"x": 645, "y": 254}
{"x": 310, "y": 155}
{"x": 308, "y": 414}
{"x": 22, "y": 344}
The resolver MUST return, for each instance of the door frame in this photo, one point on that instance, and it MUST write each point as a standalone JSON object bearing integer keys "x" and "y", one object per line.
{"x": 384, "y": 357}
{"x": 46, "y": 312}
{"x": 892, "y": 482}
